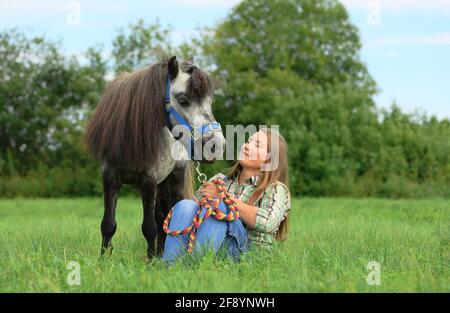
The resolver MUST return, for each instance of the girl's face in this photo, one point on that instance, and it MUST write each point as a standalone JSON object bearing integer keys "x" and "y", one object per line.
{"x": 255, "y": 151}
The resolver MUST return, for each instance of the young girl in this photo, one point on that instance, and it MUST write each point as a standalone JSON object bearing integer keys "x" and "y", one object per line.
{"x": 262, "y": 199}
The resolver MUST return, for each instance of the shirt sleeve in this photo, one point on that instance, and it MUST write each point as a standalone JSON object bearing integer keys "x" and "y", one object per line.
{"x": 218, "y": 175}
{"x": 274, "y": 207}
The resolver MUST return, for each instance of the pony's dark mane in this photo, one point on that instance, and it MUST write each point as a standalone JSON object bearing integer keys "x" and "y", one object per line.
{"x": 126, "y": 127}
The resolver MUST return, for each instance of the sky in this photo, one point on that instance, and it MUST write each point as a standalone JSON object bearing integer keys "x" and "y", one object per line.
{"x": 406, "y": 43}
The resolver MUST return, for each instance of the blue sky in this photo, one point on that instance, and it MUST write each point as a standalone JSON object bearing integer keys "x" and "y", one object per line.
{"x": 406, "y": 43}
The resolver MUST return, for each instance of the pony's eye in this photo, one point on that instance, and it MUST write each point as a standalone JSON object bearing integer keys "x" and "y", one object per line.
{"x": 183, "y": 102}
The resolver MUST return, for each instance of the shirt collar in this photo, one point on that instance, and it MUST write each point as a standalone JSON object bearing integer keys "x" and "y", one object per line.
{"x": 253, "y": 180}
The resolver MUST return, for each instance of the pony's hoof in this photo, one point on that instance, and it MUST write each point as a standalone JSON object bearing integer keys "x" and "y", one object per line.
{"x": 107, "y": 250}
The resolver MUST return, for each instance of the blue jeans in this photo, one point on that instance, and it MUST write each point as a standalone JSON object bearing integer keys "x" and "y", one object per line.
{"x": 231, "y": 236}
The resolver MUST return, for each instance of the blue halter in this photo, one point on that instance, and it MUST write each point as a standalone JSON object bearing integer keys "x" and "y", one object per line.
{"x": 194, "y": 132}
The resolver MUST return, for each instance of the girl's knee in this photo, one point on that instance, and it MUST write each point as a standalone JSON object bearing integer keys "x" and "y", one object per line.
{"x": 185, "y": 207}
{"x": 183, "y": 214}
{"x": 223, "y": 207}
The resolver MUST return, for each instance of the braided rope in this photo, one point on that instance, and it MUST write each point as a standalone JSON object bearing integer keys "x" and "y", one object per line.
{"x": 212, "y": 209}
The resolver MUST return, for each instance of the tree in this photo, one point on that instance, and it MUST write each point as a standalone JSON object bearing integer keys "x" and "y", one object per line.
{"x": 42, "y": 93}
{"x": 296, "y": 64}
{"x": 139, "y": 45}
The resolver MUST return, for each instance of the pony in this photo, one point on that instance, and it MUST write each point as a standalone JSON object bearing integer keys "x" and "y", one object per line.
{"x": 131, "y": 134}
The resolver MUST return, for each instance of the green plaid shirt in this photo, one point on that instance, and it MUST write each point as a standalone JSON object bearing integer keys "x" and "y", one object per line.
{"x": 272, "y": 206}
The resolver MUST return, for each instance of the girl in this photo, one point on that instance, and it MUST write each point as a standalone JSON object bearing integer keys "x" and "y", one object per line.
{"x": 262, "y": 199}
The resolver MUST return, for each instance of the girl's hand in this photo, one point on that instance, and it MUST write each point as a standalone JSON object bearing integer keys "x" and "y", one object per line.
{"x": 209, "y": 189}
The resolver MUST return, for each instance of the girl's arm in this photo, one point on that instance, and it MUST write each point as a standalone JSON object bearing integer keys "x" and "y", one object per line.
{"x": 265, "y": 218}
{"x": 274, "y": 207}
{"x": 247, "y": 213}
{"x": 199, "y": 194}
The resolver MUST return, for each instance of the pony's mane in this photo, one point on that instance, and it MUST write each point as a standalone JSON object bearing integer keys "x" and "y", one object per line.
{"x": 126, "y": 128}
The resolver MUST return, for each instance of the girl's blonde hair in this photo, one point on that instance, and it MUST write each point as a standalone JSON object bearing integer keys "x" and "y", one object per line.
{"x": 266, "y": 178}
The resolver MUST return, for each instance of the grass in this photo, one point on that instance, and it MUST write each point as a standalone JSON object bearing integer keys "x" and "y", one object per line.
{"x": 331, "y": 242}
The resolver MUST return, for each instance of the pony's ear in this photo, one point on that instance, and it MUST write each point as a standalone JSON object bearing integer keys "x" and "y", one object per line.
{"x": 173, "y": 67}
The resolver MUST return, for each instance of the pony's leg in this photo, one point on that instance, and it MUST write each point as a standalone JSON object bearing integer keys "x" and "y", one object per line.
{"x": 170, "y": 192}
{"x": 161, "y": 211}
{"x": 111, "y": 187}
{"x": 149, "y": 227}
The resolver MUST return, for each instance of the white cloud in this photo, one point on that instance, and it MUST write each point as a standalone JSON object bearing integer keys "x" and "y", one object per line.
{"x": 400, "y": 5}
{"x": 217, "y": 4}
{"x": 29, "y": 6}
{"x": 46, "y": 8}
{"x": 429, "y": 40}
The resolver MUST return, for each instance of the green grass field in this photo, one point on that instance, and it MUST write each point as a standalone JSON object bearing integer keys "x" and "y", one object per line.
{"x": 331, "y": 242}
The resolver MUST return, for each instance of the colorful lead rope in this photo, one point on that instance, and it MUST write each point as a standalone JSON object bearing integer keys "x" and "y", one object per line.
{"x": 212, "y": 209}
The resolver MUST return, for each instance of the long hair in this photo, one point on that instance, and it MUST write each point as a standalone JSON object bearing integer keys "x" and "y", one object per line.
{"x": 188, "y": 187}
{"x": 126, "y": 128}
{"x": 267, "y": 178}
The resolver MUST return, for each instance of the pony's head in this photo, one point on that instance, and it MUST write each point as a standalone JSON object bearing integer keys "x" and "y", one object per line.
{"x": 190, "y": 109}
{"x": 127, "y": 127}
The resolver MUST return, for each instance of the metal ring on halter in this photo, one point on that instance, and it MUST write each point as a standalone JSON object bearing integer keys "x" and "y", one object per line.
{"x": 200, "y": 176}
{"x": 195, "y": 134}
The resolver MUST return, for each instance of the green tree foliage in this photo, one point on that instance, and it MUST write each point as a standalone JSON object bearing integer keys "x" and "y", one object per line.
{"x": 292, "y": 63}
{"x": 296, "y": 64}
{"x": 42, "y": 94}
{"x": 139, "y": 45}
